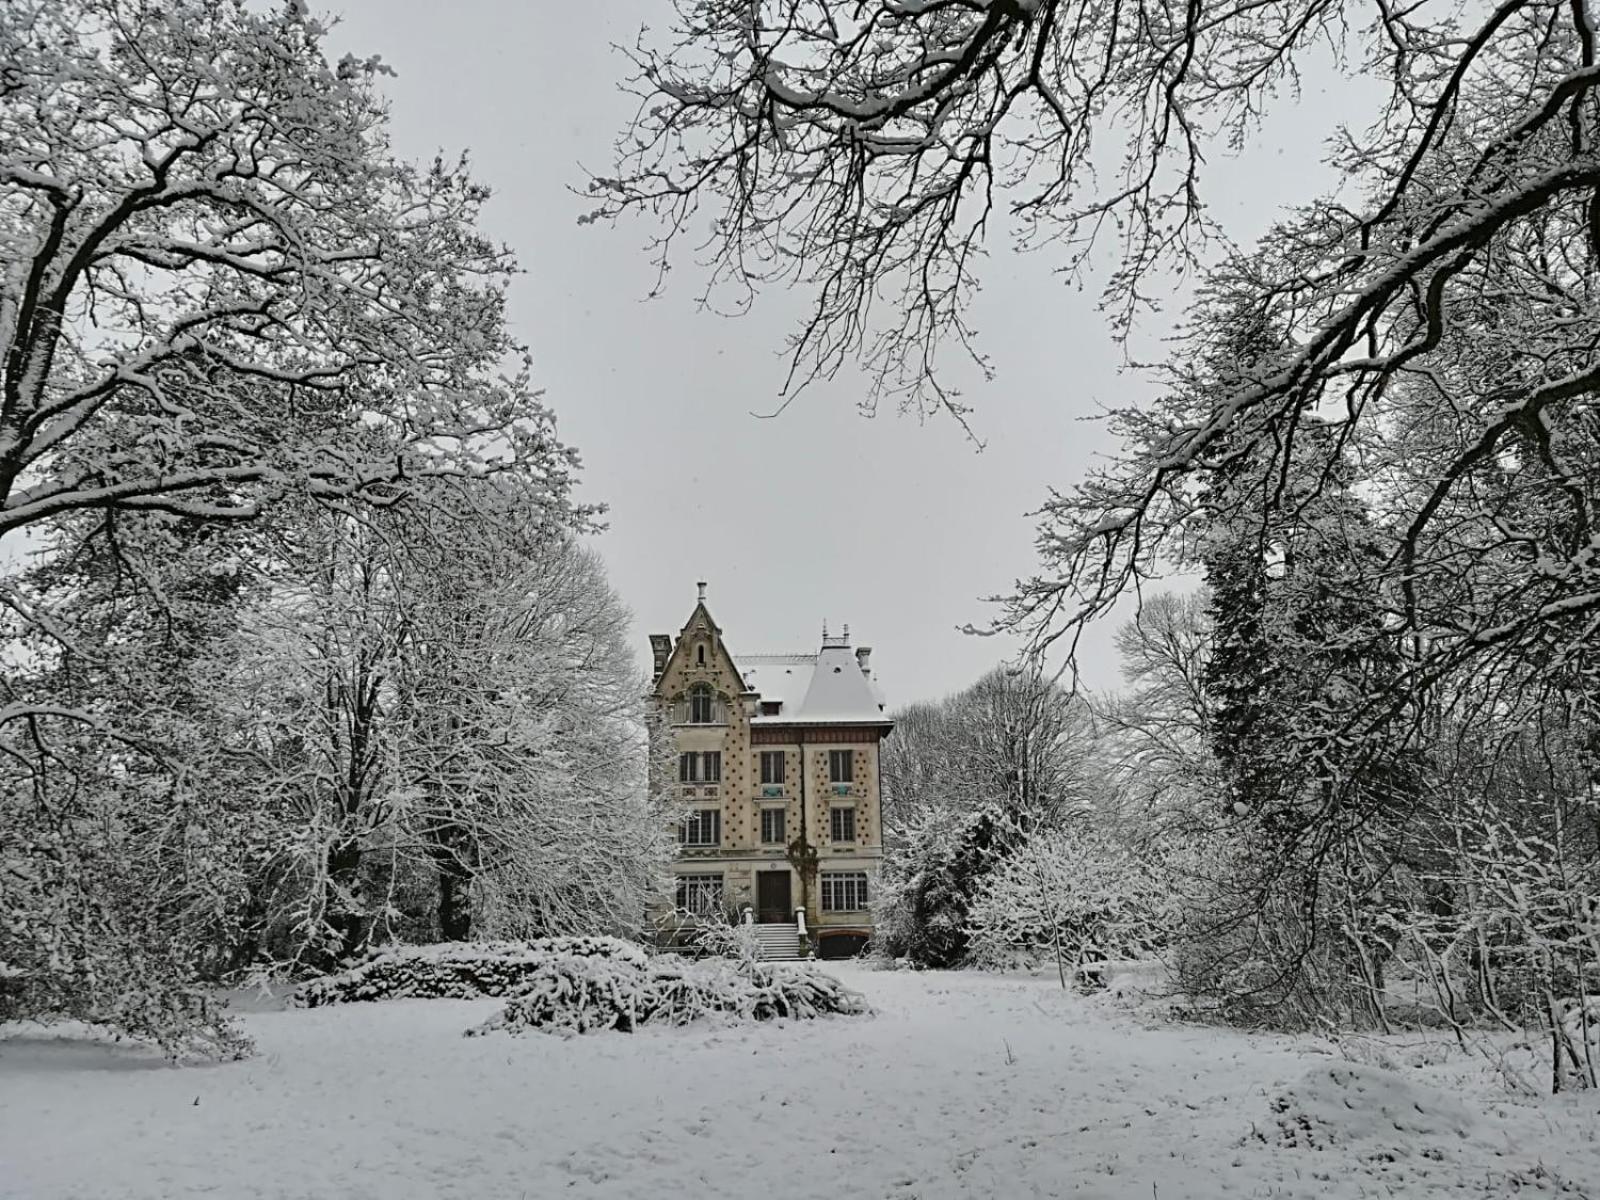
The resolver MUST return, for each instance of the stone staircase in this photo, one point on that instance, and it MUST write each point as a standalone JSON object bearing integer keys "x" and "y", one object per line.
{"x": 779, "y": 943}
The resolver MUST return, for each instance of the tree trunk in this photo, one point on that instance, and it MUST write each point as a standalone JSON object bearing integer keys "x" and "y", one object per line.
{"x": 455, "y": 905}
{"x": 346, "y": 915}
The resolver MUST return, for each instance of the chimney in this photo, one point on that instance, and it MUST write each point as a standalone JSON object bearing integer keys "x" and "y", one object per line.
{"x": 702, "y": 586}
{"x": 863, "y": 653}
{"x": 660, "y": 651}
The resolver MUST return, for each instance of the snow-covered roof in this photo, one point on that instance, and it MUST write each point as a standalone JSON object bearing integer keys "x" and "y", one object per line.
{"x": 782, "y": 678}
{"x": 826, "y": 688}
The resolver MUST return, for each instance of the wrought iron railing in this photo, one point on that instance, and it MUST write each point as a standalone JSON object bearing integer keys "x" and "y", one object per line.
{"x": 685, "y": 712}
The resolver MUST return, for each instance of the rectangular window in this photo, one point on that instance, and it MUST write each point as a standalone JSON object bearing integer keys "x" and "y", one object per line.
{"x": 844, "y": 891}
{"x": 702, "y": 767}
{"x": 703, "y": 827}
{"x": 772, "y": 826}
{"x": 772, "y": 766}
{"x": 841, "y": 766}
{"x": 842, "y": 824}
{"x": 700, "y": 894}
{"x": 700, "y": 705}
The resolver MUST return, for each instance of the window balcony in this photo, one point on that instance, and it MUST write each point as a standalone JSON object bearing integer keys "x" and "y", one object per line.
{"x": 702, "y": 713}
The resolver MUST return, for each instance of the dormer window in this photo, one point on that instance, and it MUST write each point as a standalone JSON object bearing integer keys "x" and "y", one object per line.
{"x": 702, "y": 702}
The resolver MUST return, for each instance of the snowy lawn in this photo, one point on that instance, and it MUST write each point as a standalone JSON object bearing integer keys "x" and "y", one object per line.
{"x": 961, "y": 1085}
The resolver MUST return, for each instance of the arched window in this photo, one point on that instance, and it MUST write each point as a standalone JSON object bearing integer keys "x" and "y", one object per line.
{"x": 701, "y": 703}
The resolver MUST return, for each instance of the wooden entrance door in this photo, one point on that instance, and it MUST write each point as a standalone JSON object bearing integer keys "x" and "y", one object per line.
{"x": 772, "y": 897}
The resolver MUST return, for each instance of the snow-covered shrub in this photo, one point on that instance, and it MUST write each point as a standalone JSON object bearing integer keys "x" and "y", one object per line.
{"x": 927, "y": 889}
{"x": 798, "y": 991}
{"x": 1250, "y": 949}
{"x": 459, "y": 970}
{"x": 730, "y": 938}
{"x": 574, "y": 994}
{"x": 80, "y": 940}
{"x": 1069, "y": 899}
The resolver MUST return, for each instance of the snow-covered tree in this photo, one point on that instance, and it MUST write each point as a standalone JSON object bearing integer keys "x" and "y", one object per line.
{"x": 1153, "y": 739}
{"x": 927, "y": 886}
{"x": 217, "y": 284}
{"x": 439, "y": 703}
{"x": 868, "y": 154}
{"x": 121, "y": 875}
{"x": 1014, "y": 740}
{"x": 1070, "y": 898}
{"x": 526, "y": 744}
{"x": 220, "y": 293}
{"x": 965, "y": 781}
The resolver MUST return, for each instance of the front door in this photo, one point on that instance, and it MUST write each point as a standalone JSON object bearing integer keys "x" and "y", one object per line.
{"x": 772, "y": 897}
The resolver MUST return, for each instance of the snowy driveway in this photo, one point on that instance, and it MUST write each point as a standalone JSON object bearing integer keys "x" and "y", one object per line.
{"x": 961, "y": 1085}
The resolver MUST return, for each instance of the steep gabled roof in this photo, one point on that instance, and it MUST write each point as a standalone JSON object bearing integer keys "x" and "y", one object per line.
{"x": 826, "y": 688}
{"x": 701, "y": 616}
{"x": 830, "y": 687}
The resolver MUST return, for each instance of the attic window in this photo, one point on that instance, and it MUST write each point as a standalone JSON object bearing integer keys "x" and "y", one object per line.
{"x": 700, "y": 655}
{"x": 701, "y": 706}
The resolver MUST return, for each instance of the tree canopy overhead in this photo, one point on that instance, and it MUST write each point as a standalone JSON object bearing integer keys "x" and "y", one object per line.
{"x": 255, "y": 372}
{"x": 1435, "y": 318}
{"x": 217, "y": 282}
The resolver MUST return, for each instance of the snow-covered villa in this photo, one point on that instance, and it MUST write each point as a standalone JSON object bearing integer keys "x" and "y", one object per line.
{"x": 777, "y": 758}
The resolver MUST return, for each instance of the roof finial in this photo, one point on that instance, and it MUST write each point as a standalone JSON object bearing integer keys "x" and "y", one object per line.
{"x": 824, "y": 628}
{"x": 702, "y": 586}
{"x": 847, "y": 631}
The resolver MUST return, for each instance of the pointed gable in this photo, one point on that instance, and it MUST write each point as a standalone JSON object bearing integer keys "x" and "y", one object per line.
{"x": 699, "y": 654}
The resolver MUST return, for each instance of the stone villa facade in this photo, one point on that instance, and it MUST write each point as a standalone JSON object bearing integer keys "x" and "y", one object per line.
{"x": 776, "y": 756}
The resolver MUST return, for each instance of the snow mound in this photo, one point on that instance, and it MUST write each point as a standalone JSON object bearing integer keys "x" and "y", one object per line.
{"x": 574, "y": 994}
{"x": 458, "y": 970}
{"x": 1135, "y": 978}
{"x": 1381, "y": 1114}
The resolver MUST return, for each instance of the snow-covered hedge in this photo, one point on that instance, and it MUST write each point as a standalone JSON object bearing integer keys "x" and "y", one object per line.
{"x": 1072, "y": 896}
{"x": 574, "y": 994}
{"x": 459, "y": 970}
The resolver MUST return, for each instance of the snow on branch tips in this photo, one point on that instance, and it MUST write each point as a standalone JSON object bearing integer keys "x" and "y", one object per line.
{"x": 218, "y": 283}
{"x": 1431, "y": 333}
{"x": 251, "y": 362}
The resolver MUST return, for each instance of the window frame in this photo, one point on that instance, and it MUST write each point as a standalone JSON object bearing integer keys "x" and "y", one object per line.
{"x": 772, "y": 766}
{"x": 702, "y": 693}
{"x": 782, "y": 816}
{"x": 844, "y": 891}
{"x": 700, "y": 766}
{"x": 836, "y": 812}
{"x": 715, "y": 884}
{"x": 698, "y": 819}
{"x": 846, "y": 757}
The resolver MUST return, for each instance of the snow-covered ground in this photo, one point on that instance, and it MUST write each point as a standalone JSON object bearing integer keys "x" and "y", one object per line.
{"x": 960, "y": 1085}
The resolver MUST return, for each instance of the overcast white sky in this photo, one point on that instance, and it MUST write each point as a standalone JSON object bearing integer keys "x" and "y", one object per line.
{"x": 894, "y": 526}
